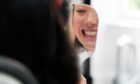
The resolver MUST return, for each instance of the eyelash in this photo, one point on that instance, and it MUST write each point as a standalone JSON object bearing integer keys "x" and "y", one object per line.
{"x": 81, "y": 11}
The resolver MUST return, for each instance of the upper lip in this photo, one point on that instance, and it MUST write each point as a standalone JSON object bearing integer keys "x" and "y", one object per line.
{"x": 95, "y": 30}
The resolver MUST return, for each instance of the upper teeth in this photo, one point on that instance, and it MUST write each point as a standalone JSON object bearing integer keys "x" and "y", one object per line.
{"x": 90, "y": 33}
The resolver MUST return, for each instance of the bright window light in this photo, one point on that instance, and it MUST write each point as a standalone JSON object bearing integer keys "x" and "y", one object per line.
{"x": 130, "y": 8}
{"x": 134, "y": 4}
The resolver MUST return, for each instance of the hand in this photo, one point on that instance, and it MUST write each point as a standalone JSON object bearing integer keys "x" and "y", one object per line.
{"x": 82, "y": 80}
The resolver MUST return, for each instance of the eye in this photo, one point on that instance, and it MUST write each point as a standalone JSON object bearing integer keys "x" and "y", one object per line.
{"x": 81, "y": 11}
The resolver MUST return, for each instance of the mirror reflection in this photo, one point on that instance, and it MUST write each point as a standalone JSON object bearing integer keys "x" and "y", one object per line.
{"x": 85, "y": 25}
{"x": 84, "y": 28}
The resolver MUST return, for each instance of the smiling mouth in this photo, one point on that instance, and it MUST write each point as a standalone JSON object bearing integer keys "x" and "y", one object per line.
{"x": 89, "y": 33}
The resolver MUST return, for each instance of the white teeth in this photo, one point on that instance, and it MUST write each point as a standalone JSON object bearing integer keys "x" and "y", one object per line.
{"x": 90, "y": 33}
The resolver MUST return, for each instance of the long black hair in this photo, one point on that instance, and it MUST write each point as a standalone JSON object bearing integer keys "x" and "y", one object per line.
{"x": 31, "y": 33}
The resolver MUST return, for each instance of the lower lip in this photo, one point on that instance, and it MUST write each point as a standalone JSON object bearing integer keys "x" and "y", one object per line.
{"x": 90, "y": 38}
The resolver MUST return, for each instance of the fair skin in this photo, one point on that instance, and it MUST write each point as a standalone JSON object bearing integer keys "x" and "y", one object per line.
{"x": 82, "y": 80}
{"x": 84, "y": 28}
{"x": 85, "y": 25}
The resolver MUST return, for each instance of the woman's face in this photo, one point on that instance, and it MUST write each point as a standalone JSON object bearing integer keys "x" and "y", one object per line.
{"x": 85, "y": 25}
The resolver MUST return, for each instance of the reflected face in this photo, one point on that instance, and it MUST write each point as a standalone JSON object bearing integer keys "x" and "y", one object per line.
{"x": 85, "y": 25}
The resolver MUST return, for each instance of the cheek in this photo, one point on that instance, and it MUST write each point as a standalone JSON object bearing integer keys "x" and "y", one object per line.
{"x": 76, "y": 25}
{"x": 78, "y": 20}
{"x": 76, "y": 29}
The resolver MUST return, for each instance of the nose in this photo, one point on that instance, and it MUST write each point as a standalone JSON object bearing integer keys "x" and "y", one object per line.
{"x": 92, "y": 20}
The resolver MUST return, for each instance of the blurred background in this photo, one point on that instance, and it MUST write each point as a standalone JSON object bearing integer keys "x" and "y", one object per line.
{"x": 116, "y": 59}
{"x": 117, "y": 54}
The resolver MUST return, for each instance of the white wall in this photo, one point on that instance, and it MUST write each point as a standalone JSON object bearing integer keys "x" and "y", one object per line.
{"x": 111, "y": 26}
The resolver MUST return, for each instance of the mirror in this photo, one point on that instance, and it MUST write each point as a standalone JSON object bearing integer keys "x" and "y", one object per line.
{"x": 83, "y": 31}
{"x": 84, "y": 26}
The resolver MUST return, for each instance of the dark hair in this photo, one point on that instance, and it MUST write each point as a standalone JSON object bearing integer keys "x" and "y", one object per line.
{"x": 87, "y": 2}
{"x": 30, "y": 32}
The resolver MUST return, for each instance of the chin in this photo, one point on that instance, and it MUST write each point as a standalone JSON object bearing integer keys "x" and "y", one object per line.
{"x": 90, "y": 47}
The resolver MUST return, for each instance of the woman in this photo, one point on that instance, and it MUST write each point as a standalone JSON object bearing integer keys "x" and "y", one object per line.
{"x": 31, "y": 33}
{"x": 84, "y": 27}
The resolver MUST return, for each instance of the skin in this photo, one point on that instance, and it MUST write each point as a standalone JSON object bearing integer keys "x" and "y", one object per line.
{"x": 84, "y": 28}
{"x": 85, "y": 25}
{"x": 82, "y": 80}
